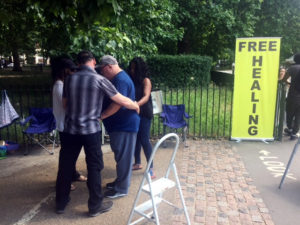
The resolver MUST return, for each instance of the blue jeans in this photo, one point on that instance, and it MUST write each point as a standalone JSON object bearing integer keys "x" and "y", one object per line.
{"x": 122, "y": 144}
{"x": 70, "y": 149}
{"x": 143, "y": 140}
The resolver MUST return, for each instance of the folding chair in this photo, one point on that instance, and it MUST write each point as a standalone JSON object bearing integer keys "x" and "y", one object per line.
{"x": 173, "y": 116}
{"x": 41, "y": 128}
{"x": 7, "y": 112}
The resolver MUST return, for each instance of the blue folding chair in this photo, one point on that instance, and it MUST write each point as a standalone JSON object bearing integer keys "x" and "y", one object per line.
{"x": 41, "y": 128}
{"x": 173, "y": 117}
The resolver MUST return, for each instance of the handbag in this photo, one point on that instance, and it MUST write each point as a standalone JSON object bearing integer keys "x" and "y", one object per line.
{"x": 7, "y": 112}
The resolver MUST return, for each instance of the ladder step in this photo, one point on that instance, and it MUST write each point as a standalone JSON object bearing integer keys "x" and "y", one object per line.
{"x": 159, "y": 186}
{"x": 147, "y": 205}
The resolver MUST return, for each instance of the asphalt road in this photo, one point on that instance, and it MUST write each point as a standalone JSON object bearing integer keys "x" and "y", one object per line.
{"x": 27, "y": 190}
{"x": 266, "y": 164}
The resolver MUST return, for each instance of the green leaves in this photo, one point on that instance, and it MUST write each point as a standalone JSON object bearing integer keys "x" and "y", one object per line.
{"x": 281, "y": 19}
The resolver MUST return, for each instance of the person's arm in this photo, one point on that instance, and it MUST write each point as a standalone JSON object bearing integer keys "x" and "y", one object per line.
{"x": 119, "y": 100}
{"x": 286, "y": 77}
{"x": 126, "y": 102}
{"x": 64, "y": 103}
{"x": 147, "y": 92}
{"x": 110, "y": 110}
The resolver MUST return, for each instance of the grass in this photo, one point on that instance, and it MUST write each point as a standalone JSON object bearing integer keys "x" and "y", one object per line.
{"x": 209, "y": 106}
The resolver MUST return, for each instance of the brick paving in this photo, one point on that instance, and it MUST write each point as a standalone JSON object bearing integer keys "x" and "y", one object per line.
{"x": 217, "y": 188}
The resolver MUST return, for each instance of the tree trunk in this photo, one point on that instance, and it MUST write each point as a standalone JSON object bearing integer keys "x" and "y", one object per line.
{"x": 184, "y": 45}
{"x": 16, "y": 60}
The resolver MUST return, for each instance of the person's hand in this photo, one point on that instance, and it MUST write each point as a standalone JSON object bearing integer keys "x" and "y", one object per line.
{"x": 137, "y": 107}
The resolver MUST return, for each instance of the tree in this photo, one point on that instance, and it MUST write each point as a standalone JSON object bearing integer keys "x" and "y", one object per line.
{"x": 124, "y": 28}
{"x": 281, "y": 19}
{"x": 211, "y": 26}
{"x": 137, "y": 29}
{"x": 17, "y": 30}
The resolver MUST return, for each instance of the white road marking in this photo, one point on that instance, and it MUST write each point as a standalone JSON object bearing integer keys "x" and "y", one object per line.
{"x": 276, "y": 168}
{"x": 34, "y": 211}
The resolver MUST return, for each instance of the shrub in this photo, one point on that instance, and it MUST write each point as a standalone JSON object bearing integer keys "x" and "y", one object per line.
{"x": 178, "y": 71}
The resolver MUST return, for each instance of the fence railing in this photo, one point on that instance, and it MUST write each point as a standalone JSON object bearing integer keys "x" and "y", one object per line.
{"x": 209, "y": 105}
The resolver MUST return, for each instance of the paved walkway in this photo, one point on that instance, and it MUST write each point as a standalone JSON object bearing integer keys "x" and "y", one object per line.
{"x": 217, "y": 187}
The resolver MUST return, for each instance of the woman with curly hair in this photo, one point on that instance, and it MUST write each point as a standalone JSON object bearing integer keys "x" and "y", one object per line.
{"x": 139, "y": 73}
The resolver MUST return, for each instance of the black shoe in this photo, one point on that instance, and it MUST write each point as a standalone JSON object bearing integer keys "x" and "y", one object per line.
{"x": 60, "y": 208}
{"x": 113, "y": 194}
{"x": 287, "y": 131}
{"x": 105, "y": 206}
{"x": 110, "y": 185}
{"x": 293, "y": 137}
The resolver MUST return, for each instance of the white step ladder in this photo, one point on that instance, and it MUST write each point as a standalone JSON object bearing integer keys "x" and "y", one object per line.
{"x": 155, "y": 189}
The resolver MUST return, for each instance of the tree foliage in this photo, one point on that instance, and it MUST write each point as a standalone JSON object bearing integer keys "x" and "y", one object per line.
{"x": 128, "y": 28}
{"x": 211, "y": 26}
{"x": 124, "y": 28}
{"x": 136, "y": 30}
{"x": 281, "y": 19}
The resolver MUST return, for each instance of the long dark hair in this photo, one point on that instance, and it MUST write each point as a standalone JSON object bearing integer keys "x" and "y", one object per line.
{"x": 58, "y": 66}
{"x": 140, "y": 71}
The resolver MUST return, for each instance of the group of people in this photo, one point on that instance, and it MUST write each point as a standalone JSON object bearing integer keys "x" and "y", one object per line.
{"x": 292, "y": 78}
{"x": 88, "y": 92}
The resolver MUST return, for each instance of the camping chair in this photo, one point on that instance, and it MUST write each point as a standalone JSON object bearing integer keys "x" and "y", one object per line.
{"x": 173, "y": 116}
{"x": 41, "y": 128}
{"x": 7, "y": 112}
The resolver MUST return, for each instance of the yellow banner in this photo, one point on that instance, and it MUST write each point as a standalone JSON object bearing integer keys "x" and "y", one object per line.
{"x": 255, "y": 88}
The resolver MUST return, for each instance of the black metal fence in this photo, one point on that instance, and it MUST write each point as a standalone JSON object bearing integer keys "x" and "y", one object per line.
{"x": 22, "y": 98}
{"x": 210, "y": 107}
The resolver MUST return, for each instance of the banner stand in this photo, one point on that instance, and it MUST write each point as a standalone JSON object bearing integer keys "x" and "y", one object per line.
{"x": 266, "y": 140}
{"x": 255, "y": 88}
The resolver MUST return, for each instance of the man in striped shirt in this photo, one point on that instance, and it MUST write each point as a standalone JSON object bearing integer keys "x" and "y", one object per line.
{"x": 83, "y": 95}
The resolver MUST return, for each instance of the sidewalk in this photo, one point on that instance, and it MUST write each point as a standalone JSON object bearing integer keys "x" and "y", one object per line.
{"x": 215, "y": 183}
{"x": 217, "y": 187}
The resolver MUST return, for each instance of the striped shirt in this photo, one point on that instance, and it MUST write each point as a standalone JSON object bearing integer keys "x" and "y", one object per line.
{"x": 84, "y": 92}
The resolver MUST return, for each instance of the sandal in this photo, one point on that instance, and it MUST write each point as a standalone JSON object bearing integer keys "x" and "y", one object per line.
{"x": 73, "y": 187}
{"x": 81, "y": 178}
{"x": 152, "y": 174}
{"x": 137, "y": 167}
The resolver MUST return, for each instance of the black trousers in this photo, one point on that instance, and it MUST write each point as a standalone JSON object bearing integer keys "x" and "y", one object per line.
{"x": 71, "y": 146}
{"x": 293, "y": 114}
{"x": 75, "y": 174}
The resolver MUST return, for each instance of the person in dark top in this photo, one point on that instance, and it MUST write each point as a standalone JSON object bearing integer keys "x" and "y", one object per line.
{"x": 122, "y": 126}
{"x": 139, "y": 73}
{"x": 293, "y": 99}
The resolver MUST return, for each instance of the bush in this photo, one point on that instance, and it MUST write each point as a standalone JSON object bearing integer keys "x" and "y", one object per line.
{"x": 178, "y": 71}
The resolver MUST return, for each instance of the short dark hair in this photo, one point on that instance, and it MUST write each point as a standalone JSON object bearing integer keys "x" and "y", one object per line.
{"x": 84, "y": 56}
{"x": 297, "y": 58}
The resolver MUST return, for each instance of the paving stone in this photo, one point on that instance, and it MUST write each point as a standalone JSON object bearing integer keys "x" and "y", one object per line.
{"x": 199, "y": 213}
{"x": 217, "y": 187}
{"x": 257, "y": 218}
